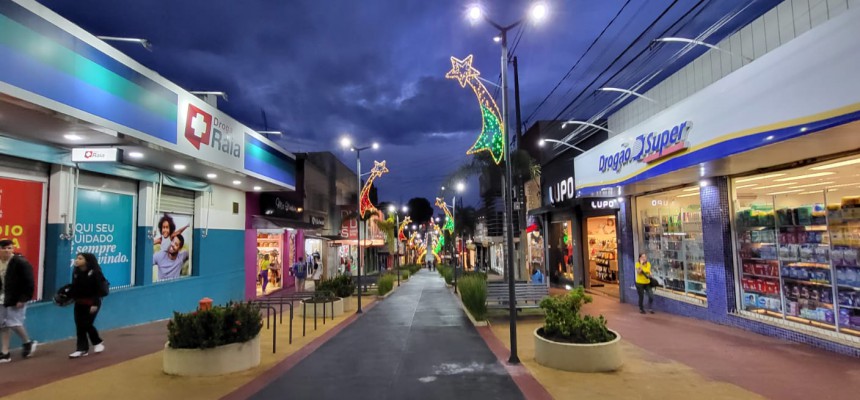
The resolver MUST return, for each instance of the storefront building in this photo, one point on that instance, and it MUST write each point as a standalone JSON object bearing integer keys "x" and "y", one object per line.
{"x": 744, "y": 195}
{"x": 100, "y": 155}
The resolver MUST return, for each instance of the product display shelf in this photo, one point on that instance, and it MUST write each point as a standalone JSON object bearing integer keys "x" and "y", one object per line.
{"x": 674, "y": 242}
{"x": 604, "y": 266}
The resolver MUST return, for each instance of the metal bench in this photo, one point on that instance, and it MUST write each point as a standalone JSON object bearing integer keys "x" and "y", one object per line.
{"x": 528, "y": 295}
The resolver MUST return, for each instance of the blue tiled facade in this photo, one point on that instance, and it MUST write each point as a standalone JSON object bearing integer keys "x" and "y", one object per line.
{"x": 719, "y": 270}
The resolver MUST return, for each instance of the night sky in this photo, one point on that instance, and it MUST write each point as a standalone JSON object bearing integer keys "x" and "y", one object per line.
{"x": 375, "y": 69}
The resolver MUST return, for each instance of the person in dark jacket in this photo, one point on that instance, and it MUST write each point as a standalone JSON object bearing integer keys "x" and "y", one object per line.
{"x": 86, "y": 283}
{"x": 16, "y": 289}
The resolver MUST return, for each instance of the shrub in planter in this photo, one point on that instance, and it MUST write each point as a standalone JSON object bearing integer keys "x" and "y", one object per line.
{"x": 221, "y": 325}
{"x": 385, "y": 284}
{"x": 473, "y": 292}
{"x": 564, "y": 323}
{"x": 447, "y": 272}
{"x": 341, "y": 286}
{"x": 482, "y": 275}
{"x": 414, "y": 268}
{"x": 404, "y": 275}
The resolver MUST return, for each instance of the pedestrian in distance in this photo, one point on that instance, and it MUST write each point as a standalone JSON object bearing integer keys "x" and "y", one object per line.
{"x": 317, "y": 275}
{"x": 264, "y": 271}
{"x": 88, "y": 288}
{"x": 300, "y": 272}
{"x": 644, "y": 283}
{"x": 537, "y": 277}
{"x": 275, "y": 268}
{"x": 16, "y": 289}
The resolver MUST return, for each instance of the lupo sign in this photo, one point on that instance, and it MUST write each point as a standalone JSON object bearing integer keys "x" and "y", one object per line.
{"x": 561, "y": 191}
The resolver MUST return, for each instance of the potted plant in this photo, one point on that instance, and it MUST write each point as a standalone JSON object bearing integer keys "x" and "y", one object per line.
{"x": 216, "y": 341}
{"x": 572, "y": 342}
{"x": 329, "y": 290}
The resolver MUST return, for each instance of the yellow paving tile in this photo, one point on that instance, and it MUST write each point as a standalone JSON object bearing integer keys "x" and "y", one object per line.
{"x": 142, "y": 378}
{"x": 645, "y": 375}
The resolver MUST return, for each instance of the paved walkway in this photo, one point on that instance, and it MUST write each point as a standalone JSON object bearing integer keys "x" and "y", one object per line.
{"x": 418, "y": 344}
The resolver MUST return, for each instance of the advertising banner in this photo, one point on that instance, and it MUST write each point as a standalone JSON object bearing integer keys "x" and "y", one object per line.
{"x": 104, "y": 226}
{"x": 21, "y": 219}
{"x": 171, "y": 253}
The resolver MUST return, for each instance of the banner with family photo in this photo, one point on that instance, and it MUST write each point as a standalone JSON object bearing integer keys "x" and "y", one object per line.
{"x": 171, "y": 253}
{"x": 104, "y": 226}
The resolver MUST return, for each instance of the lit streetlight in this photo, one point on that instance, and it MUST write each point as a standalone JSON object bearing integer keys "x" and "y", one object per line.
{"x": 143, "y": 42}
{"x": 539, "y": 12}
{"x": 346, "y": 142}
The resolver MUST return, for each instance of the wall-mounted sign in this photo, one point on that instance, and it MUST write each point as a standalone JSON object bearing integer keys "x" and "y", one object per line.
{"x": 561, "y": 191}
{"x": 600, "y": 204}
{"x": 648, "y": 148}
{"x": 96, "y": 154}
{"x": 317, "y": 221}
{"x": 279, "y": 206}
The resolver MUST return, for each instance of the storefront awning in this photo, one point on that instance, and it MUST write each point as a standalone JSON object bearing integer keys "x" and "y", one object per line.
{"x": 542, "y": 210}
{"x": 364, "y": 243}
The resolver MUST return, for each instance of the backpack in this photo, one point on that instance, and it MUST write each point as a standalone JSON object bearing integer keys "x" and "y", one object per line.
{"x": 104, "y": 287}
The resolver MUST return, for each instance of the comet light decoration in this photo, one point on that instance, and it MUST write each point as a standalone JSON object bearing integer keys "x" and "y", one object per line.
{"x": 365, "y": 206}
{"x": 492, "y": 130}
{"x": 403, "y": 224}
{"x": 449, "y": 219}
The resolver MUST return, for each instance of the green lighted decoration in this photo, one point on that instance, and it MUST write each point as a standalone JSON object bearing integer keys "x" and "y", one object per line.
{"x": 449, "y": 219}
{"x": 492, "y": 132}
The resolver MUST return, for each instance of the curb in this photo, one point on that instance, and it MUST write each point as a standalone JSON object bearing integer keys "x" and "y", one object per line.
{"x": 475, "y": 322}
{"x": 525, "y": 381}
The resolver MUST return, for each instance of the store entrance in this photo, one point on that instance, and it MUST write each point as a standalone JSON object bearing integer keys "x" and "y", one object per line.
{"x": 602, "y": 254}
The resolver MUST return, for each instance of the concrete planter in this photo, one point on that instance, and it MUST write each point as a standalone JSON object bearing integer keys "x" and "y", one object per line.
{"x": 599, "y": 357}
{"x": 220, "y": 360}
{"x": 338, "y": 308}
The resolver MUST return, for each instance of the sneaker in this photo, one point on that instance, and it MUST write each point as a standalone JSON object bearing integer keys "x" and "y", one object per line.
{"x": 5, "y": 357}
{"x": 29, "y": 348}
{"x": 78, "y": 354}
{"x": 641, "y": 311}
{"x": 651, "y": 311}
{"x": 99, "y": 347}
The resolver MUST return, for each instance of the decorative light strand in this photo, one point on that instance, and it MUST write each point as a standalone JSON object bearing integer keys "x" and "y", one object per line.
{"x": 365, "y": 206}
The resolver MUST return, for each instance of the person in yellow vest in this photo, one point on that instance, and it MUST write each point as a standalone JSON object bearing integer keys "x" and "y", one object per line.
{"x": 643, "y": 283}
{"x": 264, "y": 271}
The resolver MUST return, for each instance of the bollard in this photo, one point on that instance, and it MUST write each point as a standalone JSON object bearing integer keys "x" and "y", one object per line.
{"x": 205, "y": 304}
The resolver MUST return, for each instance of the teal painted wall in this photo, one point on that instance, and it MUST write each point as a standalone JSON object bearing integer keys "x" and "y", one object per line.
{"x": 219, "y": 275}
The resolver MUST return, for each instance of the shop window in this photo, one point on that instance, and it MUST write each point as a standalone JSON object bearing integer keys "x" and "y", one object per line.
{"x": 173, "y": 239}
{"x": 105, "y": 221}
{"x": 670, "y": 229}
{"x": 561, "y": 256}
{"x": 798, "y": 237}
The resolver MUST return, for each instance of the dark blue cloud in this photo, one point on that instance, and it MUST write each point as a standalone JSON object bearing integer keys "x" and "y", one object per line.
{"x": 374, "y": 69}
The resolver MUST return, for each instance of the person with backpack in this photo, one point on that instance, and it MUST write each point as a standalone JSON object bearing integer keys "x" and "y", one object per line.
{"x": 88, "y": 287}
{"x": 300, "y": 272}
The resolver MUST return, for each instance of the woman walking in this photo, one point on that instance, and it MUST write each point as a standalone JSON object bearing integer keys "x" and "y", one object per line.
{"x": 643, "y": 283}
{"x": 264, "y": 271}
{"x": 87, "y": 280}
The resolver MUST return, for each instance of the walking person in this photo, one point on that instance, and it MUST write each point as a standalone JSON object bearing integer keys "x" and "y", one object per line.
{"x": 317, "y": 275}
{"x": 264, "y": 271}
{"x": 300, "y": 272}
{"x": 86, "y": 290}
{"x": 643, "y": 283}
{"x": 16, "y": 289}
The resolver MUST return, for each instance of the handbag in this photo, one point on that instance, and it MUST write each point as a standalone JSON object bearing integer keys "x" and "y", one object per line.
{"x": 654, "y": 282}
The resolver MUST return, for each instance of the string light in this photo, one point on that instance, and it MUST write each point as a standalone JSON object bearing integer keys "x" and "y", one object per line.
{"x": 365, "y": 206}
{"x": 492, "y": 130}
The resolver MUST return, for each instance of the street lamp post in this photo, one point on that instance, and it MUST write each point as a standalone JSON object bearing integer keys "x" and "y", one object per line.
{"x": 347, "y": 143}
{"x": 538, "y": 12}
{"x": 392, "y": 209}
{"x": 459, "y": 186}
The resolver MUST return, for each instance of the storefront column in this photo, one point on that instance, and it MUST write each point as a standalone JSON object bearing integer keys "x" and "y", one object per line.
{"x": 252, "y": 207}
{"x": 626, "y": 252}
{"x": 717, "y": 240}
